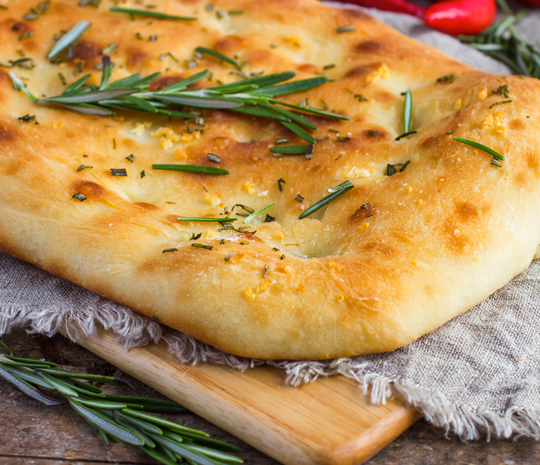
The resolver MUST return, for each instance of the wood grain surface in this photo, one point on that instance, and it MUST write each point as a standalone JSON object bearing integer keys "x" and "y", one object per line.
{"x": 328, "y": 421}
{"x": 31, "y": 433}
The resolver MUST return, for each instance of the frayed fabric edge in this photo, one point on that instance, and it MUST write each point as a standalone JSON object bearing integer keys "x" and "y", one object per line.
{"x": 459, "y": 420}
{"x": 134, "y": 330}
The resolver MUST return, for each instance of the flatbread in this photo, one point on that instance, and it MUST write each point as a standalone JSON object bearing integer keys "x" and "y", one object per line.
{"x": 383, "y": 264}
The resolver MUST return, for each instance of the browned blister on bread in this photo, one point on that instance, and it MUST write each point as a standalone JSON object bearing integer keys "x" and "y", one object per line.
{"x": 390, "y": 260}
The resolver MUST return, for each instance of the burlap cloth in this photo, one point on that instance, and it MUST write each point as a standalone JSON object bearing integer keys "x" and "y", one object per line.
{"x": 478, "y": 375}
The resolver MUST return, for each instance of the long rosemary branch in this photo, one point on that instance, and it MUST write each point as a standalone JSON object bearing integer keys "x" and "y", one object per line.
{"x": 117, "y": 418}
{"x": 255, "y": 96}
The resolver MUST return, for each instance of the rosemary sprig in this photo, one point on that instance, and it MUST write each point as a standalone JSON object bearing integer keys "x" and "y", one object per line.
{"x": 120, "y": 418}
{"x": 149, "y": 14}
{"x": 479, "y": 146}
{"x": 254, "y": 96}
{"x": 504, "y": 43}
{"x": 254, "y": 215}
{"x": 67, "y": 39}
{"x": 338, "y": 191}
{"x": 191, "y": 169}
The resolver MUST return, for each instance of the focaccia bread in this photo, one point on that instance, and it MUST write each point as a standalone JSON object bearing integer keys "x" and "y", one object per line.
{"x": 411, "y": 246}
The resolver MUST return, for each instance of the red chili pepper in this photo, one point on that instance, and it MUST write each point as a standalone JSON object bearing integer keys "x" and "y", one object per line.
{"x": 456, "y": 17}
{"x": 453, "y": 17}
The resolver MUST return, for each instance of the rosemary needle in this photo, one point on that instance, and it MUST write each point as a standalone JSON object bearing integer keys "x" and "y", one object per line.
{"x": 220, "y": 56}
{"x": 149, "y": 14}
{"x": 209, "y": 220}
{"x": 479, "y": 146}
{"x": 407, "y": 112}
{"x": 338, "y": 191}
{"x": 191, "y": 169}
{"x": 66, "y": 40}
{"x": 254, "y": 215}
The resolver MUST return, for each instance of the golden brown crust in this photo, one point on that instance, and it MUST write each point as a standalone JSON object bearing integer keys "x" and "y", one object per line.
{"x": 391, "y": 260}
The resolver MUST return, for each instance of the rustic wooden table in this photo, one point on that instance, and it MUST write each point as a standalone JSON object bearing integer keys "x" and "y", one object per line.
{"x": 31, "y": 433}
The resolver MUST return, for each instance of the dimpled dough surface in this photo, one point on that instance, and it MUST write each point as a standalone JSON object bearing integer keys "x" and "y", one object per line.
{"x": 429, "y": 243}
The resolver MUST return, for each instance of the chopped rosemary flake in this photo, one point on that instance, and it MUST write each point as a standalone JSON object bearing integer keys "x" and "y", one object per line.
{"x": 343, "y": 139}
{"x": 228, "y": 257}
{"x": 299, "y": 198}
{"x": 149, "y": 14}
{"x": 219, "y": 56}
{"x": 174, "y": 249}
{"x": 373, "y": 133}
{"x": 213, "y": 157}
{"x": 67, "y": 39}
{"x": 293, "y": 149}
{"x": 254, "y": 215}
{"x": 502, "y": 90}
{"x": 333, "y": 130}
{"x": 191, "y": 169}
{"x": 190, "y": 64}
{"x": 173, "y": 57}
{"x": 200, "y": 121}
{"x": 152, "y": 38}
{"x": 339, "y": 190}
{"x": 130, "y": 158}
{"x": 282, "y": 141}
{"x": 235, "y": 12}
{"x": 282, "y": 257}
{"x": 138, "y": 36}
{"x": 449, "y": 78}
{"x": 406, "y": 134}
{"x": 243, "y": 207}
{"x": 319, "y": 139}
{"x": 26, "y": 35}
{"x": 84, "y": 167}
{"x": 329, "y": 66}
{"x": 397, "y": 168}
{"x": 79, "y": 196}
{"x": 62, "y": 79}
{"x": 269, "y": 219}
{"x": 243, "y": 242}
{"x": 266, "y": 269}
{"x": 479, "y": 146}
{"x": 304, "y": 103}
{"x": 496, "y": 162}
{"x": 143, "y": 174}
{"x": 450, "y": 132}
{"x": 30, "y": 16}
{"x": 365, "y": 205}
{"x": 195, "y": 237}
{"x": 342, "y": 29}
{"x": 500, "y": 103}
{"x": 407, "y": 112}
{"x": 209, "y": 220}
{"x": 360, "y": 98}
{"x": 280, "y": 183}
{"x": 118, "y": 172}
{"x": 202, "y": 246}
{"x": 28, "y": 119}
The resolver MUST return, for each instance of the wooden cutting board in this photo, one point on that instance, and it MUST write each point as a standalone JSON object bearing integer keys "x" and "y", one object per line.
{"x": 329, "y": 421}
